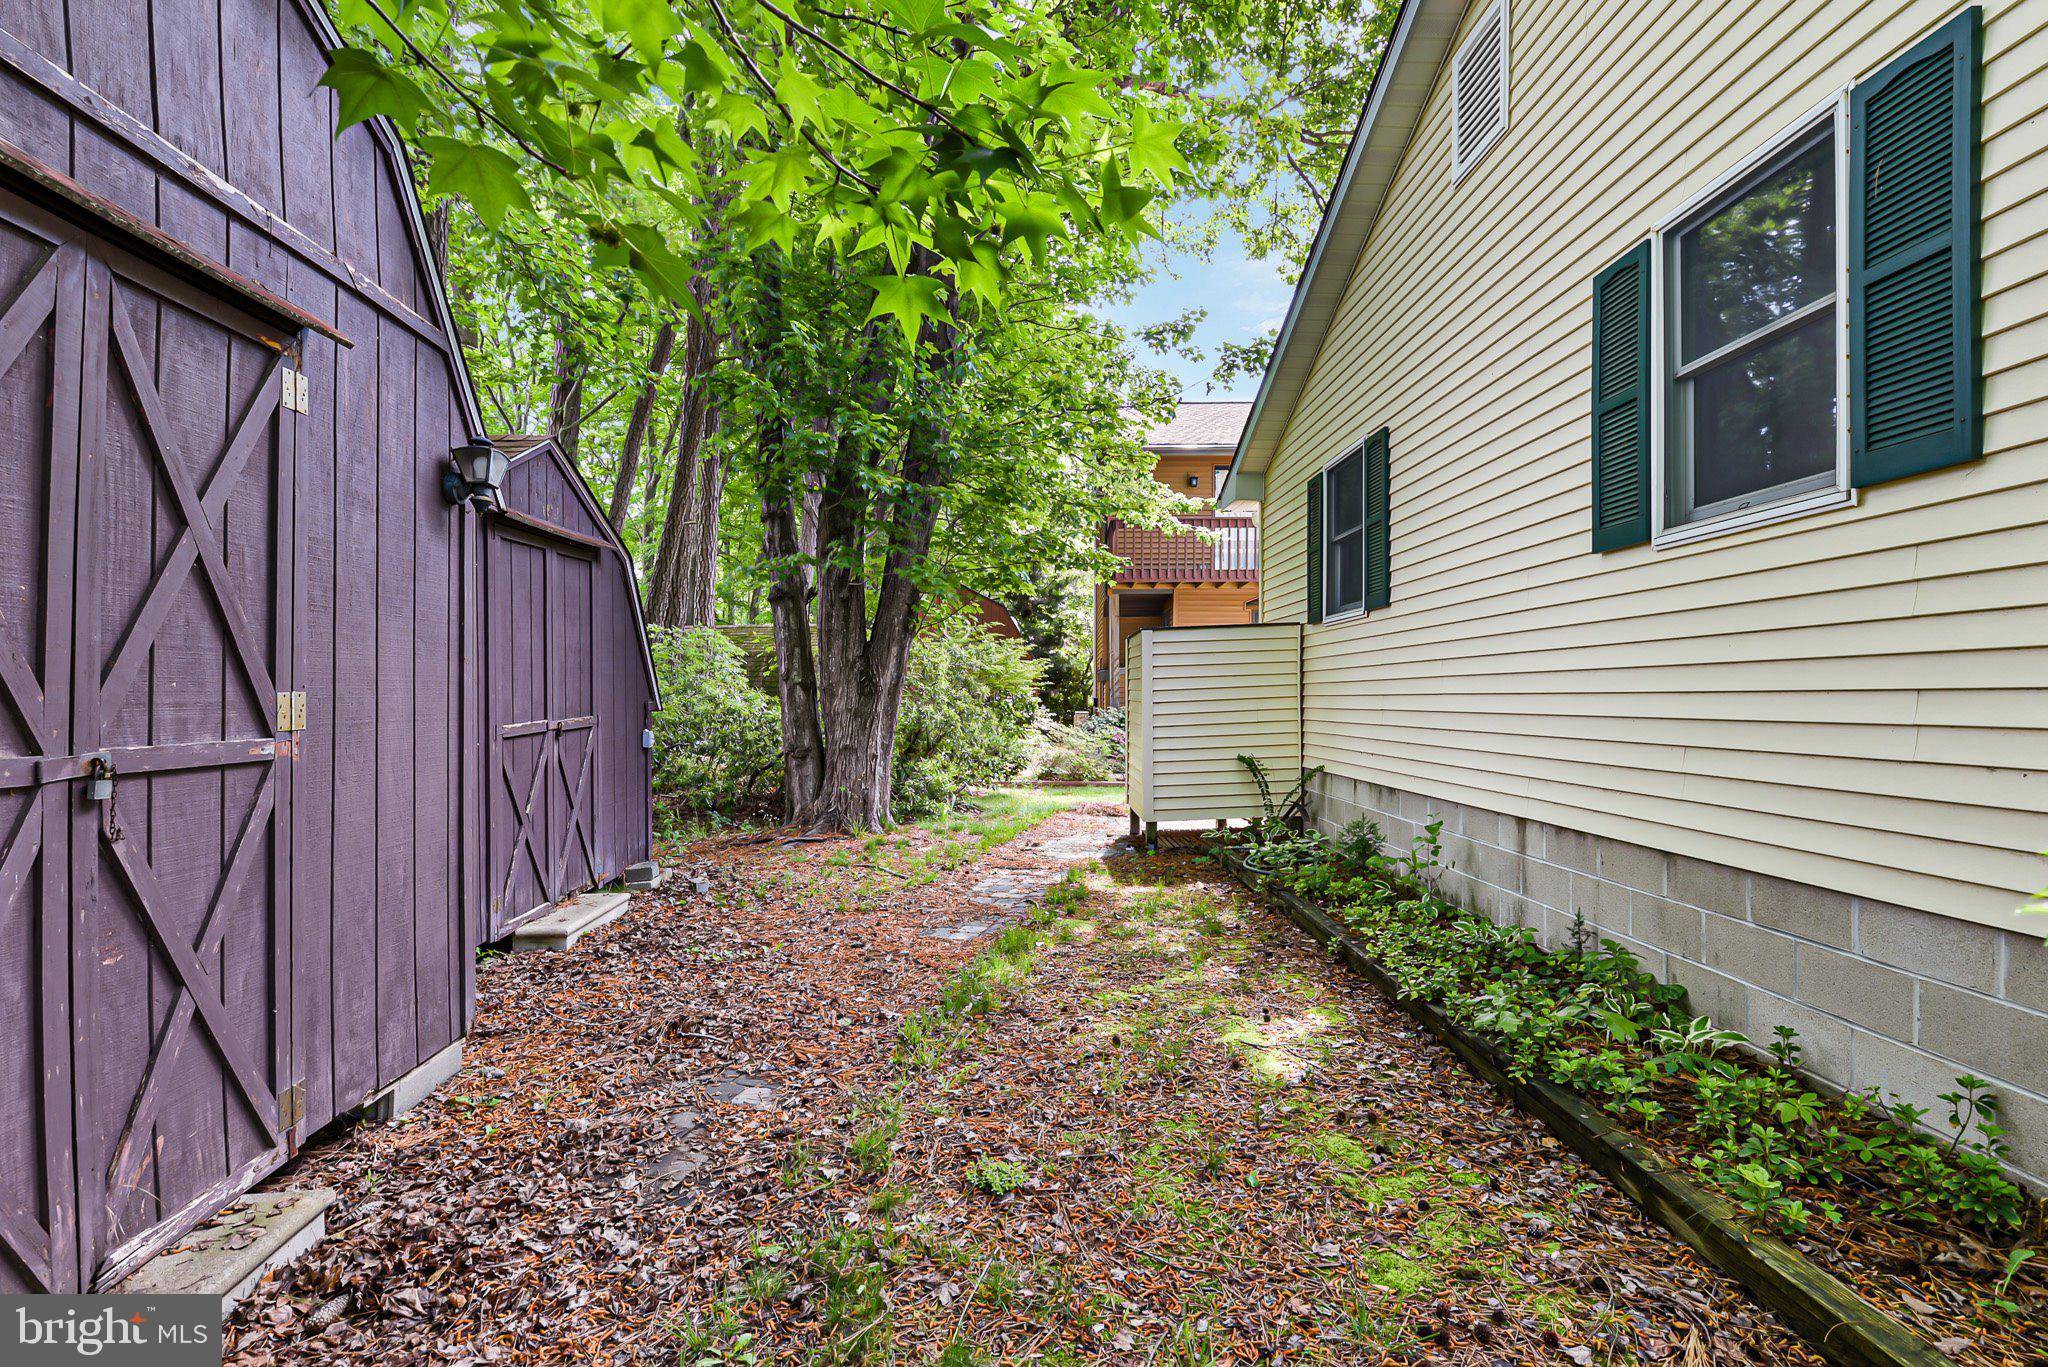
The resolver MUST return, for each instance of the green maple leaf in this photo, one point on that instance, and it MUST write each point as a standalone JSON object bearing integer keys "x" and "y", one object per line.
{"x": 655, "y": 261}
{"x": 1120, "y": 202}
{"x": 486, "y": 177}
{"x": 649, "y": 23}
{"x": 366, "y": 88}
{"x": 971, "y": 79}
{"x": 1152, "y": 151}
{"x": 704, "y": 69}
{"x": 782, "y": 174}
{"x": 738, "y": 115}
{"x": 799, "y": 94}
{"x": 761, "y": 224}
{"x": 1034, "y": 224}
{"x": 918, "y": 15}
{"x": 909, "y": 299}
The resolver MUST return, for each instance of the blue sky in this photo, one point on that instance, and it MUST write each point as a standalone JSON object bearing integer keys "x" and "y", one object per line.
{"x": 1243, "y": 297}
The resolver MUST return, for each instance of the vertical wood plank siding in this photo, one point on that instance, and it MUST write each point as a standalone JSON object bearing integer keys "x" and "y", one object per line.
{"x": 1850, "y": 699}
{"x": 601, "y": 668}
{"x": 347, "y": 870}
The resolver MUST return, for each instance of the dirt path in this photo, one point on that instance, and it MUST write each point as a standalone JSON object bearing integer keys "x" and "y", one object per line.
{"x": 864, "y": 1102}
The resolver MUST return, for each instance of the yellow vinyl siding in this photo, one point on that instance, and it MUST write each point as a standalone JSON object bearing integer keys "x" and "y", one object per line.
{"x": 1200, "y": 697}
{"x": 1854, "y": 698}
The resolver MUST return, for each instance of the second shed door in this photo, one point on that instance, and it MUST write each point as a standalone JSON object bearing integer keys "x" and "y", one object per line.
{"x": 542, "y": 727}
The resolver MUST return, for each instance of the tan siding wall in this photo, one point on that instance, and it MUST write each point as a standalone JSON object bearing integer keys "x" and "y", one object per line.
{"x": 1204, "y": 697}
{"x": 1173, "y": 471}
{"x": 1220, "y": 605}
{"x": 1852, "y": 699}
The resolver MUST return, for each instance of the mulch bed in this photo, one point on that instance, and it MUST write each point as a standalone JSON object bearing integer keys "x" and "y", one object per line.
{"x": 1224, "y": 1148}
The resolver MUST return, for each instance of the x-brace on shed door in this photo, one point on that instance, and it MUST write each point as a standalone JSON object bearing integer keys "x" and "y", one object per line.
{"x": 144, "y": 485}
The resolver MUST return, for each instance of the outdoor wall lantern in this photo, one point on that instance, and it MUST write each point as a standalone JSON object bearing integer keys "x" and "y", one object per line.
{"x": 476, "y": 474}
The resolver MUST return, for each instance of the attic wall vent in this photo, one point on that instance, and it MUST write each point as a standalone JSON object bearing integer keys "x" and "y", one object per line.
{"x": 1479, "y": 90}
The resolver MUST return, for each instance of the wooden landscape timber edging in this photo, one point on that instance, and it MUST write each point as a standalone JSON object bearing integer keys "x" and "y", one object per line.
{"x": 1840, "y": 1324}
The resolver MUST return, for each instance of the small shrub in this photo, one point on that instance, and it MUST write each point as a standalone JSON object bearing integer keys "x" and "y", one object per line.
{"x": 968, "y": 709}
{"x": 997, "y": 1176}
{"x": 1089, "y": 751}
{"x": 717, "y": 738}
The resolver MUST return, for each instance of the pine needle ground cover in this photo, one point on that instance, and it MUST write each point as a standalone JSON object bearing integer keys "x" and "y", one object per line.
{"x": 1910, "y": 1206}
{"x": 1134, "y": 1118}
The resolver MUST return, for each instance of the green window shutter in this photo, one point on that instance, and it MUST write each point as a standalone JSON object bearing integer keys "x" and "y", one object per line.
{"x": 1914, "y": 390}
{"x": 1621, "y": 402}
{"x": 1378, "y": 514}
{"x": 1314, "y": 533}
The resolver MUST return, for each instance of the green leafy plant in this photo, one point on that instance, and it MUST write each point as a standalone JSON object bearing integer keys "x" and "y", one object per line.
{"x": 997, "y": 1176}
{"x": 717, "y": 744}
{"x": 1281, "y": 811}
{"x": 967, "y": 717}
{"x": 1587, "y": 1017}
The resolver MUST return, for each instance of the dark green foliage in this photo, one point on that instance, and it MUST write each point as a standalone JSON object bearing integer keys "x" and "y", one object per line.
{"x": 967, "y": 719}
{"x": 717, "y": 741}
{"x": 1590, "y": 1019}
{"x": 967, "y": 716}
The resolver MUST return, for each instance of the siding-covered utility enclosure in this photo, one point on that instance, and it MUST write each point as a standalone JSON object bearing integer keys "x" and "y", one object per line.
{"x": 243, "y": 737}
{"x": 1198, "y": 698}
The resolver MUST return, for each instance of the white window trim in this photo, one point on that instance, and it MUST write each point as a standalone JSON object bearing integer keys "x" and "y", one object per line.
{"x": 1462, "y": 168}
{"x": 1356, "y": 448}
{"x": 1834, "y": 111}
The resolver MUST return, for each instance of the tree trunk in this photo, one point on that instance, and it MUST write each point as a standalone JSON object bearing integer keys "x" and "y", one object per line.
{"x": 437, "y": 221}
{"x": 686, "y": 566}
{"x": 861, "y": 668}
{"x": 637, "y": 424}
{"x": 565, "y": 397}
{"x": 796, "y": 675}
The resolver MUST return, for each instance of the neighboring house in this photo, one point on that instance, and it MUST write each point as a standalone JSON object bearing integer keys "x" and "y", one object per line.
{"x": 1654, "y": 456}
{"x": 989, "y": 613}
{"x": 1206, "y": 576}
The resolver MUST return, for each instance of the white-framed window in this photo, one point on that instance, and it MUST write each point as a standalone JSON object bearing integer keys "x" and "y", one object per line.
{"x": 1749, "y": 340}
{"x": 1344, "y": 535}
{"x": 1479, "y": 90}
{"x": 1221, "y": 473}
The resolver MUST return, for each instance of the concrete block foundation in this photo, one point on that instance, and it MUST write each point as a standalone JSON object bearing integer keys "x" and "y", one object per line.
{"x": 1881, "y": 995}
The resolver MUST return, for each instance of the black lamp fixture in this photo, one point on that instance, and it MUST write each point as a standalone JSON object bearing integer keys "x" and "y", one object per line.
{"x": 476, "y": 474}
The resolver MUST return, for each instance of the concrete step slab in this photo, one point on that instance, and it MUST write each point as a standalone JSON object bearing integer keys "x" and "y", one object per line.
{"x": 563, "y": 926}
{"x": 229, "y": 1254}
{"x": 410, "y": 1090}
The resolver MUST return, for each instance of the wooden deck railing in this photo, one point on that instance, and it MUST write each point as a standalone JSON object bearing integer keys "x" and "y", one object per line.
{"x": 1229, "y": 554}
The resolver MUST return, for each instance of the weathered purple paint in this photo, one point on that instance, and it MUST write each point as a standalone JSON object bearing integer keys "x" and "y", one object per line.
{"x": 255, "y": 916}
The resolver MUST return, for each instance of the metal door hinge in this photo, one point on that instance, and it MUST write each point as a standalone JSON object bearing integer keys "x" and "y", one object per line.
{"x": 292, "y": 393}
{"x": 291, "y": 711}
{"x": 291, "y": 1106}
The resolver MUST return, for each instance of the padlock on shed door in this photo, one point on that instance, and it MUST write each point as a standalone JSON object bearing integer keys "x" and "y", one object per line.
{"x": 99, "y": 779}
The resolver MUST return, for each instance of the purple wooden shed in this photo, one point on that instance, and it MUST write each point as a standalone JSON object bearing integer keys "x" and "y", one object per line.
{"x": 251, "y": 756}
{"x": 569, "y": 692}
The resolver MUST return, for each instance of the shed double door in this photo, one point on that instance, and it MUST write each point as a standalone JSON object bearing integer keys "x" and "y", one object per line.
{"x": 143, "y": 472}
{"x": 541, "y": 686}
